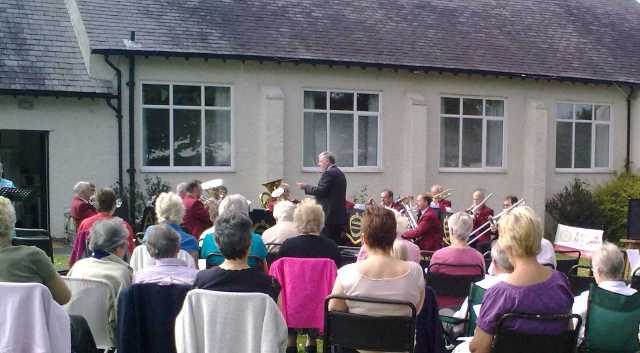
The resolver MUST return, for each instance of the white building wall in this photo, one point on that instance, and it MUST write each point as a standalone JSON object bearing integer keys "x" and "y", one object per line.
{"x": 83, "y": 144}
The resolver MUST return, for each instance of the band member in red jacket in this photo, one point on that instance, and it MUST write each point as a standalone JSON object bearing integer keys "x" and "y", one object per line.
{"x": 481, "y": 215}
{"x": 196, "y": 216}
{"x": 442, "y": 204}
{"x": 81, "y": 208}
{"x": 428, "y": 234}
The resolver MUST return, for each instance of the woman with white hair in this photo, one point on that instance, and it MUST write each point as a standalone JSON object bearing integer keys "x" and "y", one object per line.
{"x": 170, "y": 211}
{"x": 284, "y": 228}
{"x": 458, "y": 253}
{"x": 238, "y": 204}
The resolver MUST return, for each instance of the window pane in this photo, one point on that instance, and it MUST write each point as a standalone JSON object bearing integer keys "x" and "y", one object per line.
{"x": 494, "y": 143}
{"x": 603, "y": 112}
{"x": 494, "y": 107}
{"x": 449, "y": 142}
{"x": 187, "y": 141}
{"x": 368, "y": 141}
{"x": 315, "y": 137}
{"x": 471, "y": 107}
{"x": 155, "y": 137}
{"x": 186, "y": 95}
{"x": 472, "y": 143}
{"x": 341, "y": 101}
{"x": 450, "y": 105}
{"x": 602, "y": 146}
{"x": 584, "y": 112}
{"x": 341, "y": 138}
{"x": 217, "y": 96}
{"x": 155, "y": 94}
{"x": 564, "y": 133}
{"x": 217, "y": 138}
{"x": 367, "y": 102}
{"x": 565, "y": 111}
{"x": 315, "y": 100}
{"x": 582, "y": 153}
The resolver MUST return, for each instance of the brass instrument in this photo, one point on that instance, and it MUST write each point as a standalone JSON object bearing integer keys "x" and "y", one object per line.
{"x": 493, "y": 220}
{"x": 264, "y": 197}
{"x": 472, "y": 210}
{"x": 214, "y": 190}
{"x": 445, "y": 194}
{"x": 408, "y": 210}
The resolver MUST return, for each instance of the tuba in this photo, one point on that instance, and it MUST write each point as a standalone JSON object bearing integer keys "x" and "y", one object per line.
{"x": 214, "y": 189}
{"x": 264, "y": 197}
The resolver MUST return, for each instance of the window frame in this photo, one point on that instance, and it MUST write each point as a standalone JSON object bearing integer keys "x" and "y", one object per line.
{"x": 355, "y": 115}
{"x": 594, "y": 122}
{"x": 485, "y": 118}
{"x": 202, "y": 108}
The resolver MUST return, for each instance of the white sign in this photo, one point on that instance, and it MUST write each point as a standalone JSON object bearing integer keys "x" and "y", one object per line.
{"x": 579, "y": 238}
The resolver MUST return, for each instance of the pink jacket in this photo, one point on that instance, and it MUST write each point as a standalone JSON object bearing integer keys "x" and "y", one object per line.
{"x": 305, "y": 282}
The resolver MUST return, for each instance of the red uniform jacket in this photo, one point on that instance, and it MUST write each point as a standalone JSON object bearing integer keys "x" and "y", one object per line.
{"x": 82, "y": 237}
{"x": 481, "y": 217}
{"x": 196, "y": 217}
{"x": 81, "y": 209}
{"x": 429, "y": 231}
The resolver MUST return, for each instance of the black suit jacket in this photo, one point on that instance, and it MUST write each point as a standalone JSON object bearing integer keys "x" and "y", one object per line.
{"x": 331, "y": 194}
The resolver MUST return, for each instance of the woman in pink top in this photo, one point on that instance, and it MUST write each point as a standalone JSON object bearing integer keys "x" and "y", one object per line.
{"x": 458, "y": 253}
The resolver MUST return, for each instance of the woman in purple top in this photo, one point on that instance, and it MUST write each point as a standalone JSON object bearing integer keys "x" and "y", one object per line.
{"x": 531, "y": 288}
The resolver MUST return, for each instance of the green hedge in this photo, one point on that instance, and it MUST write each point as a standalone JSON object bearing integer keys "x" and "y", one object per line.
{"x": 576, "y": 206}
{"x": 613, "y": 200}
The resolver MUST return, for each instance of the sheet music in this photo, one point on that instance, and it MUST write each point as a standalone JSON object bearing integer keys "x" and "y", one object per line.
{"x": 634, "y": 259}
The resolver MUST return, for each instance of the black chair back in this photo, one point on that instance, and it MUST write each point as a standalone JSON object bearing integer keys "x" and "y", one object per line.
{"x": 487, "y": 259}
{"x": 273, "y": 250}
{"x": 364, "y": 332}
{"x": 635, "y": 279}
{"x": 578, "y": 283}
{"x": 34, "y": 237}
{"x": 507, "y": 340}
{"x": 450, "y": 285}
{"x": 565, "y": 265}
{"x": 425, "y": 258}
{"x": 348, "y": 254}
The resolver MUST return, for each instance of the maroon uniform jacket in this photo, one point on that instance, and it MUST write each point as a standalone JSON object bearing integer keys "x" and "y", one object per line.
{"x": 429, "y": 233}
{"x": 80, "y": 210}
{"x": 481, "y": 217}
{"x": 196, "y": 217}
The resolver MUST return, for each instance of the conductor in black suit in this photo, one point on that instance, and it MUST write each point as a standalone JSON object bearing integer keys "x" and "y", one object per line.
{"x": 331, "y": 194}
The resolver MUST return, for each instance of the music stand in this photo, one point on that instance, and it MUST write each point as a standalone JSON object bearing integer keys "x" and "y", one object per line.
{"x": 15, "y": 194}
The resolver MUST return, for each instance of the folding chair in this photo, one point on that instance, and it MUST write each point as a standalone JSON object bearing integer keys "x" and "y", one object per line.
{"x": 506, "y": 340}
{"x": 425, "y": 258}
{"x": 453, "y": 285}
{"x": 565, "y": 265}
{"x": 40, "y": 238}
{"x": 273, "y": 252}
{"x": 365, "y": 332}
{"x": 635, "y": 279}
{"x": 94, "y": 299}
{"x": 487, "y": 259}
{"x": 476, "y": 295}
{"x": 578, "y": 283}
{"x": 611, "y": 324}
{"x": 348, "y": 254}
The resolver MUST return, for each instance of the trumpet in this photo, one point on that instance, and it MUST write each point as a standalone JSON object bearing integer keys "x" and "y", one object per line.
{"x": 445, "y": 194}
{"x": 472, "y": 210}
{"x": 493, "y": 220}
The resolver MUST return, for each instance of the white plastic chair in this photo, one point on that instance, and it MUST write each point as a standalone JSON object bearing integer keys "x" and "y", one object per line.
{"x": 141, "y": 258}
{"x": 94, "y": 300}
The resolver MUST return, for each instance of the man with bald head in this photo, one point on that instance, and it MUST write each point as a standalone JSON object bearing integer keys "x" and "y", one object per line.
{"x": 81, "y": 208}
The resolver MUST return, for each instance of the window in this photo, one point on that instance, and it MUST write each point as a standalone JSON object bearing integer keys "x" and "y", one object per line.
{"x": 583, "y": 135}
{"x": 345, "y": 123}
{"x": 186, "y": 126}
{"x": 471, "y": 132}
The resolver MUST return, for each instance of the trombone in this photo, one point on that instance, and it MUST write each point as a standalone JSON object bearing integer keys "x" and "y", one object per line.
{"x": 471, "y": 210}
{"x": 443, "y": 195}
{"x": 492, "y": 221}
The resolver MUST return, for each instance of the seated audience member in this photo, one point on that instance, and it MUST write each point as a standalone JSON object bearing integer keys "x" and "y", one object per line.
{"x": 81, "y": 208}
{"x": 108, "y": 247}
{"x": 233, "y": 238}
{"x": 531, "y": 288}
{"x": 309, "y": 220}
{"x": 284, "y": 228}
{"x": 608, "y": 268}
{"x": 235, "y": 204}
{"x": 163, "y": 244}
{"x": 403, "y": 249}
{"x": 170, "y": 211}
{"x": 546, "y": 256}
{"x": 458, "y": 253}
{"x": 196, "y": 217}
{"x": 380, "y": 275}
{"x": 26, "y": 264}
{"x": 106, "y": 206}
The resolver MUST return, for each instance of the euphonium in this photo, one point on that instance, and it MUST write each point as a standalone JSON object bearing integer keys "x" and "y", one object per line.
{"x": 264, "y": 197}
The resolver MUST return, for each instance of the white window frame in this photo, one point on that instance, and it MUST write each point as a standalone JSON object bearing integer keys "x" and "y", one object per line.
{"x": 485, "y": 118}
{"x": 171, "y": 106}
{"x": 356, "y": 114}
{"x": 593, "y": 123}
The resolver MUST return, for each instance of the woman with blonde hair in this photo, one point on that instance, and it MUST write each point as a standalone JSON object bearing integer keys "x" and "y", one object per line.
{"x": 170, "y": 211}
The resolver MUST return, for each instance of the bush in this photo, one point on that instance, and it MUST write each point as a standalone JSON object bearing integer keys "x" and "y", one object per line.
{"x": 613, "y": 199}
{"x": 575, "y": 206}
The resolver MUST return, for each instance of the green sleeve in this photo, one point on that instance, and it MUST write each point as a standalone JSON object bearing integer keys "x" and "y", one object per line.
{"x": 42, "y": 265}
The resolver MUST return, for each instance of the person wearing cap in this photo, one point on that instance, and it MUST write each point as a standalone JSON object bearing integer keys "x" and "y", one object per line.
{"x": 282, "y": 193}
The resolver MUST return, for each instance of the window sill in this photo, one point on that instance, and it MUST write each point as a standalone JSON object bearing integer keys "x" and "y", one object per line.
{"x": 187, "y": 169}
{"x": 348, "y": 170}
{"x": 474, "y": 170}
{"x": 584, "y": 171}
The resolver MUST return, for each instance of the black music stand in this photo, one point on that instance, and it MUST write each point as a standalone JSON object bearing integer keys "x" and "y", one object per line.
{"x": 15, "y": 194}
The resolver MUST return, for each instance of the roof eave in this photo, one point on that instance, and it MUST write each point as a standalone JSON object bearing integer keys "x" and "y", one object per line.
{"x": 53, "y": 93}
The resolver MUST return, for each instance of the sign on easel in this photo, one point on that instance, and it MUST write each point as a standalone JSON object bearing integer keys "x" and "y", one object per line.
{"x": 582, "y": 239}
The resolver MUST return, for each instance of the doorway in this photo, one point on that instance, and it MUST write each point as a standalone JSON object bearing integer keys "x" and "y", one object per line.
{"x": 25, "y": 156}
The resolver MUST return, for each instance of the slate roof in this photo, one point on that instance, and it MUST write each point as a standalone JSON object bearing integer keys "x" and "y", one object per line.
{"x": 582, "y": 39}
{"x": 39, "y": 51}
